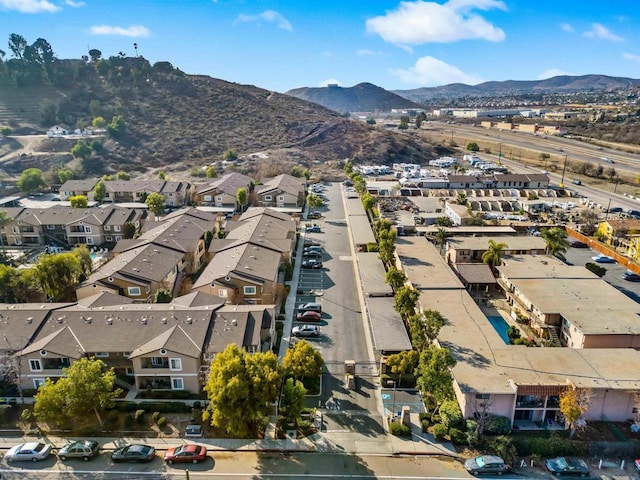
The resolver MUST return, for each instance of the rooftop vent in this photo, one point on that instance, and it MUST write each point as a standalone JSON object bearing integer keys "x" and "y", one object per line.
{"x": 234, "y": 322}
{"x": 109, "y": 321}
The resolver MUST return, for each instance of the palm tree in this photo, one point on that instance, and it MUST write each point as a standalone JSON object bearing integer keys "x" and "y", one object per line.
{"x": 441, "y": 236}
{"x": 493, "y": 255}
{"x": 556, "y": 240}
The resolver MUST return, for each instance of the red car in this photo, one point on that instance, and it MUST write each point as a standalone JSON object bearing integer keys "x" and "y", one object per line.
{"x": 309, "y": 316}
{"x": 186, "y": 453}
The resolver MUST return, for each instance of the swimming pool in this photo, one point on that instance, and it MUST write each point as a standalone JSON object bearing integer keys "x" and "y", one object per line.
{"x": 500, "y": 326}
{"x": 95, "y": 256}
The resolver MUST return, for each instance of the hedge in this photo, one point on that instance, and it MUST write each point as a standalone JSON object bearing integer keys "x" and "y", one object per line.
{"x": 439, "y": 431}
{"x": 165, "y": 407}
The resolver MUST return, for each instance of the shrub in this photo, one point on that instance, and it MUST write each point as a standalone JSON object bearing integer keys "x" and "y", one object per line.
{"x": 162, "y": 422}
{"x": 439, "y": 431}
{"x": 457, "y": 436}
{"x": 155, "y": 416}
{"x": 125, "y": 407}
{"x": 451, "y": 414}
{"x": 111, "y": 420}
{"x": 435, "y": 418}
{"x": 165, "y": 407}
{"x": 424, "y": 416}
{"x": 128, "y": 421}
{"x": 139, "y": 416}
{"x": 424, "y": 424}
{"x": 399, "y": 429}
{"x": 553, "y": 446}
{"x": 497, "y": 425}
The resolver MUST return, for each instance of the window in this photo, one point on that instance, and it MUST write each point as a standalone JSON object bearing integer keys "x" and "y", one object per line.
{"x": 118, "y": 238}
{"x": 157, "y": 361}
{"x": 281, "y": 198}
{"x": 89, "y": 241}
{"x": 102, "y": 354}
{"x": 175, "y": 363}
{"x": 219, "y": 198}
{"x": 177, "y": 384}
{"x": 37, "y": 382}
{"x": 35, "y": 365}
{"x": 107, "y": 228}
{"x": 51, "y": 227}
{"x": 483, "y": 396}
{"x": 87, "y": 229}
{"x": 249, "y": 290}
{"x": 207, "y": 198}
{"x": 268, "y": 198}
{"x": 116, "y": 228}
{"x": 222, "y": 293}
{"x": 109, "y": 238}
{"x": 134, "y": 291}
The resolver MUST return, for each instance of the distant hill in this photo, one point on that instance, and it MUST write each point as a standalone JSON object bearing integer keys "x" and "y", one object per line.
{"x": 559, "y": 84}
{"x": 364, "y": 97}
{"x": 177, "y": 122}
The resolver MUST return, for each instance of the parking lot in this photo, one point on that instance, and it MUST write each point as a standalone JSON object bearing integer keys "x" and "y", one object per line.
{"x": 582, "y": 256}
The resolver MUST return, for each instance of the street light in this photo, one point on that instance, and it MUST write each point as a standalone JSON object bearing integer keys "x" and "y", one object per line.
{"x": 393, "y": 400}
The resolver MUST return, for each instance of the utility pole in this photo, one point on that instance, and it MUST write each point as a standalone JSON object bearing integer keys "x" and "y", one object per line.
{"x": 564, "y": 169}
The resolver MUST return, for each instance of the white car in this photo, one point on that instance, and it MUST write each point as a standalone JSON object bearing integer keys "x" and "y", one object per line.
{"x": 305, "y": 331}
{"x": 30, "y": 451}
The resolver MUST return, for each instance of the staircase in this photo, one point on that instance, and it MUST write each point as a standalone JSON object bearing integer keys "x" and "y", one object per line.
{"x": 553, "y": 336}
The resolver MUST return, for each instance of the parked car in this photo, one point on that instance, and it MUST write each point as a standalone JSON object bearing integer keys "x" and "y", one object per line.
{"x": 193, "y": 431}
{"x": 305, "y": 331}
{"x": 186, "y": 453}
{"x": 577, "y": 181}
{"x": 314, "y": 215}
{"x": 84, "y": 449}
{"x": 486, "y": 464}
{"x": 313, "y": 254}
{"x": 313, "y": 306}
{"x": 578, "y": 244}
{"x": 637, "y": 464}
{"x": 135, "y": 452}
{"x": 567, "y": 466}
{"x": 633, "y": 214}
{"x": 631, "y": 276}
{"x": 616, "y": 210}
{"x": 30, "y": 451}
{"x": 603, "y": 259}
{"x": 311, "y": 263}
{"x": 309, "y": 316}
{"x": 312, "y": 248}
{"x": 314, "y": 229}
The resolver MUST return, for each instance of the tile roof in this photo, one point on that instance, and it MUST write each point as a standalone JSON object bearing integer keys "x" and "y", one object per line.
{"x": 85, "y": 185}
{"x": 229, "y": 184}
{"x": 284, "y": 182}
{"x": 255, "y": 211}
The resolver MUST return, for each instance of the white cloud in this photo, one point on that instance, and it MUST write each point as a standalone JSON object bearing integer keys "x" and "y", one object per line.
{"x": 132, "y": 31}
{"x": 29, "y": 6}
{"x": 428, "y": 22}
{"x": 363, "y": 52}
{"x": 270, "y": 16}
{"x": 329, "y": 81}
{"x": 552, "y": 72}
{"x": 600, "y": 31}
{"x": 565, "y": 27}
{"x": 631, "y": 56}
{"x": 71, "y": 3}
{"x": 431, "y": 72}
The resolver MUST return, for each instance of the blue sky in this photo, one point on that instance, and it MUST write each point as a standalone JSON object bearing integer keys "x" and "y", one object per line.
{"x": 280, "y": 45}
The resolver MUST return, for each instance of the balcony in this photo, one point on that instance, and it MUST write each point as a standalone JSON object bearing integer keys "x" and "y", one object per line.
{"x": 55, "y": 363}
{"x": 155, "y": 363}
{"x": 155, "y": 383}
{"x": 529, "y": 402}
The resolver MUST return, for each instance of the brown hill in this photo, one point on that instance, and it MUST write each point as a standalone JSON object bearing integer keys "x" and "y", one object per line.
{"x": 177, "y": 122}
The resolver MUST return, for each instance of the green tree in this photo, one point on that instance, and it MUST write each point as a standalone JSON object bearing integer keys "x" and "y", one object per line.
{"x": 493, "y": 255}
{"x": 99, "y": 122}
{"x": 48, "y": 112}
{"x": 26, "y": 286}
{"x": 58, "y": 275}
{"x": 65, "y": 174}
{"x": 556, "y": 241}
{"x": 122, "y": 175}
{"x": 296, "y": 171}
{"x": 513, "y": 333}
{"x": 434, "y": 374}
{"x": 87, "y": 387}
{"x": 211, "y": 172}
{"x": 17, "y": 45}
{"x": 5, "y": 132}
{"x": 7, "y": 276}
{"x": 444, "y": 222}
{"x": 314, "y": 201}
{"x": 230, "y": 155}
{"x": 416, "y": 332}
{"x": 348, "y": 168}
{"x": 82, "y": 253}
{"x": 292, "y": 400}
{"x": 31, "y": 180}
{"x": 302, "y": 360}
{"x": 78, "y": 201}
{"x": 241, "y": 387}
{"x": 461, "y": 198}
{"x": 162, "y": 296}
{"x": 155, "y": 203}
{"x": 451, "y": 414}
{"x": 395, "y": 278}
{"x": 208, "y": 238}
{"x": 473, "y": 147}
{"x": 117, "y": 128}
{"x": 574, "y": 403}
{"x": 81, "y": 150}
{"x": 387, "y": 246}
{"x": 242, "y": 197}
{"x": 595, "y": 268}
{"x": 95, "y": 55}
{"x": 441, "y": 236}
{"x": 99, "y": 191}
{"x": 162, "y": 175}
{"x": 406, "y": 299}
{"x": 5, "y": 220}
{"x": 368, "y": 201}
{"x": 371, "y": 121}
{"x": 433, "y": 323}
{"x": 403, "y": 363}
{"x": 129, "y": 230}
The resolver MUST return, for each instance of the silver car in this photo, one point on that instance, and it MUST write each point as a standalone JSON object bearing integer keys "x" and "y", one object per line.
{"x": 84, "y": 449}
{"x": 305, "y": 331}
{"x": 30, "y": 451}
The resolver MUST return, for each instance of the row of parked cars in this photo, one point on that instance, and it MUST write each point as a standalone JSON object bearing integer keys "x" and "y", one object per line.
{"x": 494, "y": 465}
{"x": 87, "y": 449}
{"x": 308, "y": 312}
